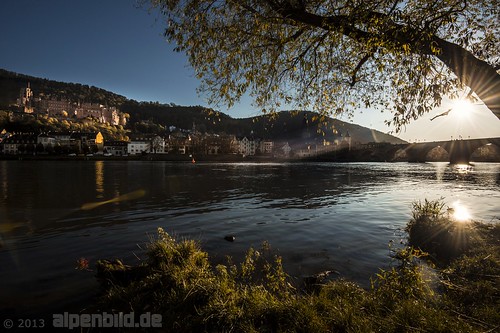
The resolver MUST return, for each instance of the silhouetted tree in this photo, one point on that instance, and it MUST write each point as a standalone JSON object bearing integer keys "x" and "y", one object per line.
{"x": 337, "y": 56}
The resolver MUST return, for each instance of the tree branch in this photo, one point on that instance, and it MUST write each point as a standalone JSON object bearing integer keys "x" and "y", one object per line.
{"x": 358, "y": 67}
{"x": 473, "y": 72}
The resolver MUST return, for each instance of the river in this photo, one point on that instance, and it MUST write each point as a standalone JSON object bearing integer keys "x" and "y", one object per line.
{"x": 317, "y": 216}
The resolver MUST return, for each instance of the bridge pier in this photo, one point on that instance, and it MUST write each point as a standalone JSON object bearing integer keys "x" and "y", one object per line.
{"x": 459, "y": 151}
{"x": 416, "y": 155}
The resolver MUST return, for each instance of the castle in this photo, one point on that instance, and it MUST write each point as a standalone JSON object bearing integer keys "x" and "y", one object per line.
{"x": 62, "y": 108}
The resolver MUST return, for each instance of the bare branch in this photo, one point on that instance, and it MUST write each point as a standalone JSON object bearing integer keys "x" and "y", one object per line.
{"x": 358, "y": 67}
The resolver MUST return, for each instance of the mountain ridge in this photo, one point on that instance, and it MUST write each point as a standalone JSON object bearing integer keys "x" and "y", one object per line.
{"x": 153, "y": 117}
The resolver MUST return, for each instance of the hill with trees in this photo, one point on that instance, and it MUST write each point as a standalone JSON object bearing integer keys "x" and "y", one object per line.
{"x": 153, "y": 117}
{"x": 147, "y": 117}
{"x": 11, "y": 83}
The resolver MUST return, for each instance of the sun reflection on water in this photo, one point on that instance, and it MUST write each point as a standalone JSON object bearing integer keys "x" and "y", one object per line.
{"x": 464, "y": 168}
{"x": 460, "y": 212}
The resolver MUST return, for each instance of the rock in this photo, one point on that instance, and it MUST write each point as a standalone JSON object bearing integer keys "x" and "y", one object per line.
{"x": 313, "y": 282}
{"x": 230, "y": 238}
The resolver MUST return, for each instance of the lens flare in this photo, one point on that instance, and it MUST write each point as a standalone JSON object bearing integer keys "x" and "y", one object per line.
{"x": 461, "y": 108}
{"x": 125, "y": 197}
{"x": 460, "y": 212}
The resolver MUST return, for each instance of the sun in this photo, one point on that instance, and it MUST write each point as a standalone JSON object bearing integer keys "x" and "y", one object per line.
{"x": 460, "y": 212}
{"x": 461, "y": 108}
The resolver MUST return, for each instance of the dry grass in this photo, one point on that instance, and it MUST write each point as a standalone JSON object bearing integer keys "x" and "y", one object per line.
{"x": 178, "y": 281}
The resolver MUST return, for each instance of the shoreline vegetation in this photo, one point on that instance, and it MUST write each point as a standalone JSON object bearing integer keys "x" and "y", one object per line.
{"x": 446, "y": 279}
{"x": 222, "y": 158}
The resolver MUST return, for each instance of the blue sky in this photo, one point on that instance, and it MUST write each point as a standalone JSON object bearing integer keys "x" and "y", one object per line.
{"x": 114, "y": 45}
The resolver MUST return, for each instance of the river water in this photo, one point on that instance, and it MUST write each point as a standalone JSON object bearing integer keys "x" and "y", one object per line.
{"x": 317, "y": 216}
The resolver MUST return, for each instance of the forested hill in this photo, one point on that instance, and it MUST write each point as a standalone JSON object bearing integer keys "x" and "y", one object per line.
{"x": 153, "y": 117}
{"x": 305, "y": 125}
{"x": 11, "y": 83}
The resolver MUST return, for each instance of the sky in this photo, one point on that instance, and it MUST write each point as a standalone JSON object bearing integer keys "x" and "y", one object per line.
{"x": 118, "y": 46}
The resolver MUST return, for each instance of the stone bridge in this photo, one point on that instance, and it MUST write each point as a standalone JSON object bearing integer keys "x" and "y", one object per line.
{"x": 459, "y": 151}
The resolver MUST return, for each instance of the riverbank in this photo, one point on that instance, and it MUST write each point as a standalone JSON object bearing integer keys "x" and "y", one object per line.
{"x": 221, "y": 158}
{"x": 441, "y": 290}
{"x": 339, "y": 156}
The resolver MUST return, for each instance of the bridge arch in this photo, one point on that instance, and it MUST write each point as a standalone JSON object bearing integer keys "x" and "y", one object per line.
{"x": 489, "y": 152}
{"x": 437, "y": 154}
{"x": 400, "y": 155}
{"x": 425, "y": 152}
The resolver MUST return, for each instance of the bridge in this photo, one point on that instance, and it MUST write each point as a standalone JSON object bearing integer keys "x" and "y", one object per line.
{"x": 459, "y": 151}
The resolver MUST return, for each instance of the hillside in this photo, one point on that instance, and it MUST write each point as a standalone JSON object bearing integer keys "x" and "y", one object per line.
{"x": 11, "y": 83}
{"x": 306, "y": 125}
{"x": 153, "y": 117}
{"x": 286, "y": 125}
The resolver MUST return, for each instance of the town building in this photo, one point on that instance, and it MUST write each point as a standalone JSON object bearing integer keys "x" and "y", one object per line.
{"x": 77, "y": 142}
{"x": 20, "y": 144}
{"x": 62, "y": 138}
{"x": 46, "y": 140}
{"x": 146, "y": 143}
{"x": 115, "y": 148}
{"x": 234, "y": 145}
{"x": 248, "y": 146}
{"x": 178, "y": 143}
{"x": 87, "y": 142}
{"x": 266, "y": 147}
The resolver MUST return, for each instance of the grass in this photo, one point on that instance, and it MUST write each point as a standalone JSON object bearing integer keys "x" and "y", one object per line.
{"x": 447, "y": 291}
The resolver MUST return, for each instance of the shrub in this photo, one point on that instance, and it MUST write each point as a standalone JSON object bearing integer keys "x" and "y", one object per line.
{"x": 433, "y": 230}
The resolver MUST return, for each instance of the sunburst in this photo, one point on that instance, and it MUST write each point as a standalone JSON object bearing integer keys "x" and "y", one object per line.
{"x": 461, "y": 108}
{"x": 460, "y": 212}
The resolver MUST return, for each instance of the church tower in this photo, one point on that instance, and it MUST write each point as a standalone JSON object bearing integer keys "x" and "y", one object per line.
{"x": 25, "y": 101}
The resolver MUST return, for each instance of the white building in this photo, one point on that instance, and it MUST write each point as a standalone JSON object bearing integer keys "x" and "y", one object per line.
{"x": 46, "y": 140}
{"x": 248, "y": 146}
{"x": 138, "y": 147}
{"x": 146, "y": 144}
